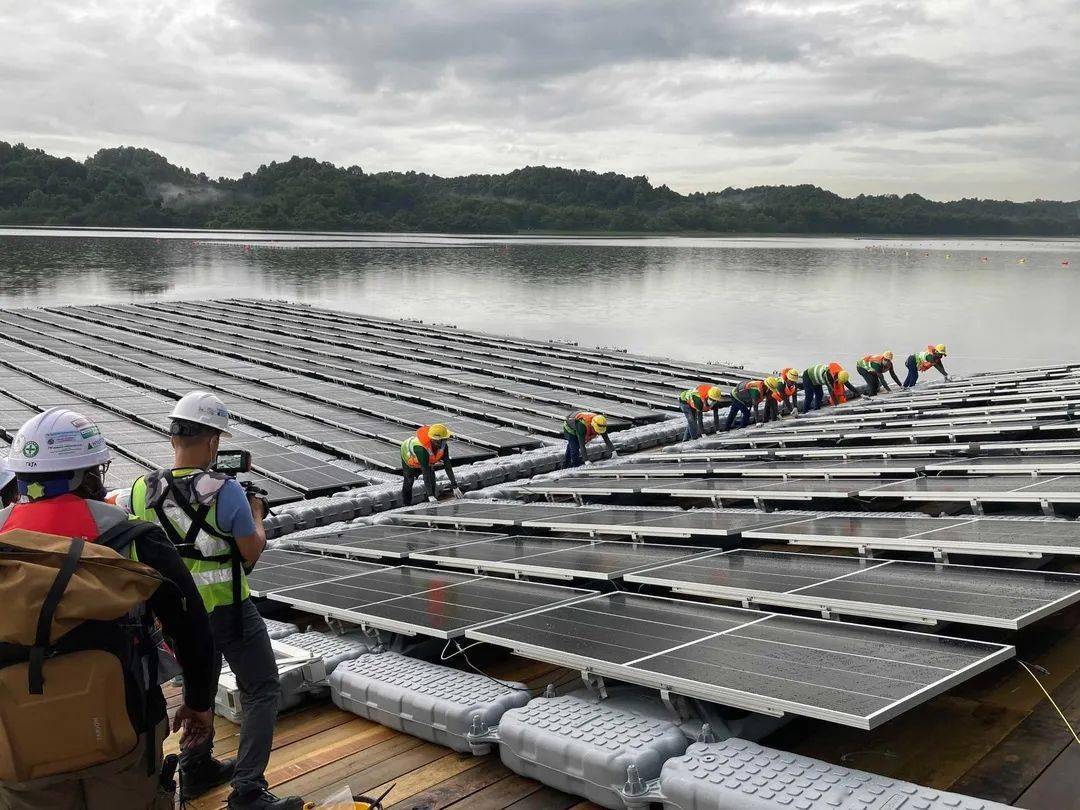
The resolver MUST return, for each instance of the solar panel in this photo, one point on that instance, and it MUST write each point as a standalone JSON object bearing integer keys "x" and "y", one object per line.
{"x": 559, "y": 557}
{"x": 657, "y": 522}
{"x": 385, "y": 540}
{"x": 887, "y": 589}
{"x": 1008, "y": 464}
{"x": 998, "y": 537}
{"x": 278, "y": 569}
{"x": 1007, "y": 489}
{"x": 418, "y": 601}
{"x": 845, "y": 673}
{"x": 465, "y": 513}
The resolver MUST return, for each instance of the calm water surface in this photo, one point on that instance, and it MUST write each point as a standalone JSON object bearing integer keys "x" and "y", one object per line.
{"x": 763, "y": 302}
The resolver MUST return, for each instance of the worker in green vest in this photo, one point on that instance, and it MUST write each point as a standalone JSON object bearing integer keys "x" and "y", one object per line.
{"x": 421, "y": 453}
{"x": 873, "y": 367}
{"x": 693, "y": 402}
{"x": 217, "y": 528}
{"x": 924, "y": 361}
{"x": 579, "y": 428}
{"x": 824, "y": 377}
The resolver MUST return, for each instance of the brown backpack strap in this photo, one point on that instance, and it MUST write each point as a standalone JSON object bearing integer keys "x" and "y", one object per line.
{"x": 48, "y": 610}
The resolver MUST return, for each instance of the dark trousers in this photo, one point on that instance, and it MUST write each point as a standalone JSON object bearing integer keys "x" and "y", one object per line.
{"x": 252, "y": 661}
{"x": 873, "y": 382}
{"x": 408, "y": 478}
{"x": 572, "y": 456}
{"x": 812, "y": 395}
{"x": 912, "y": 372}
{"x": 692, "y": 431}
{"x": 737, "y": 408}
{"x": 772, "y": 409}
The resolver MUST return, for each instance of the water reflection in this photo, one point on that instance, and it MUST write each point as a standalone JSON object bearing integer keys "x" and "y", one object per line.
{"x": 758, "y": 301}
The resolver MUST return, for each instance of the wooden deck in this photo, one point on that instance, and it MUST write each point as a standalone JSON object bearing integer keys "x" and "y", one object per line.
{"x": 995, "y": 737}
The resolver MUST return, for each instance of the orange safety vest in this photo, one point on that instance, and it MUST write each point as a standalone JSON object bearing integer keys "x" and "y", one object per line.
{"x": 789, "y": 388}
{"x": 586, "y": 417}
{"x": 423, "y": 439}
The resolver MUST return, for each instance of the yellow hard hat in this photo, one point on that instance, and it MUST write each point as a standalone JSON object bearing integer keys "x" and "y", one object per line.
{"x": 772, "y": 382}
{"x": 792, "y": 375}
{"x": 599, "y": 423}
{"x": 843, "y": 377}
{"x": 439, "y": 431}
{"x": 887, "y": 355}
{"x": 714, "y": 394}
{"x": 940, "y": 349}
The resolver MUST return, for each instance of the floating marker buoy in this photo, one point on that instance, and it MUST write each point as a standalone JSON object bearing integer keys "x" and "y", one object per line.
{"x": 1065, "y": 263}
{"x": 1021, "y": 261}
{"x": 984, "y": 258}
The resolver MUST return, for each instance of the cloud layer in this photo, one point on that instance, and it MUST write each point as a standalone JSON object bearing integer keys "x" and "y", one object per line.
{"x": 949, "y": 98}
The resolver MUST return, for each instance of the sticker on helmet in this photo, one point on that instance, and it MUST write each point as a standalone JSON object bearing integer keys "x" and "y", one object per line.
{"x": 30, "y": 449}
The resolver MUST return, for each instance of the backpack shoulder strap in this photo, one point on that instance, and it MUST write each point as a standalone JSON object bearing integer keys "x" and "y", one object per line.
{"x": 52, "y": 599}
{"x": 123, "y": 535}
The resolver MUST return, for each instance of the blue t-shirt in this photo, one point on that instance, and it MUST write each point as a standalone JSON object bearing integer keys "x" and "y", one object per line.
{"x": 233, "y": 511}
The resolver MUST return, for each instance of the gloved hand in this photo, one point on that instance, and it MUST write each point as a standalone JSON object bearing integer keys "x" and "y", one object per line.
{"x": 432, "y": 499}
{"x": 587, "y": 463}
{"x": 458, "y": 493}
{"x": 614, "y": 453}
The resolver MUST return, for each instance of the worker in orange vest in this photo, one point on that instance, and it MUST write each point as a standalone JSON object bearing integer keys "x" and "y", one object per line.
{"x": 872, "y": 368}
{"x": 579, "y": 429}
{"x": 744, "y": 396}
{"x": 924, "y": 361}
{"x": 782, "y": 388}
{"x": 841, "y": 384}
{"x": 420, "y": 454}
{"x": 693, "y": 402}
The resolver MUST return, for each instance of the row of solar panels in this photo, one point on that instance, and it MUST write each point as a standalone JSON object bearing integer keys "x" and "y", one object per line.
{"x": 430, "y": 379}
{"x": 614, "y": 364}
{"x": 260, "y": 405}
{"x": 765, "y": 662}
{"x": 583, "y": 379}
{"x": 186, "y": 327}
{"x": 909, "y": 591}
{"x": 135, "y": 423}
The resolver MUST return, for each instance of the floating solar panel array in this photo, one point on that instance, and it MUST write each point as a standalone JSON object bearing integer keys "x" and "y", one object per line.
{"x": 870, "y": 456}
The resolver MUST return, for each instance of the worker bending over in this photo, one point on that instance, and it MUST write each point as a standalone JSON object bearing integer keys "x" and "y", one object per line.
{"x": 579, "y": 429}
{"x": 816, "y": 379}
{"x": 693, "y": 402}
{"x": 218, "y": 529}
{"x": 744, "y": 396}
{"x": 924, "y": 361}
{"x": 781, "y": 389}
{"x": 420, "y": 454}
{"x": 872, "y": 368}
{"x": 105, "y": 666}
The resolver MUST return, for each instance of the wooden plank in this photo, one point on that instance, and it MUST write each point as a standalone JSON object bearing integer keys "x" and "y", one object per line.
{"x": 345, "y": 770}
{"x": 1058, "y": 786}
{"x": 429, "y": 775}
{"x": 447, "y": 792}
{"x": 499, "y": 795}
{"x": 545, "y": 798}
{"x": 373, "y": 778}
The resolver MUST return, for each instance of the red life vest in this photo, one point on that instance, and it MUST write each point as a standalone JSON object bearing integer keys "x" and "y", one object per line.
{"x": 65, "y": 515}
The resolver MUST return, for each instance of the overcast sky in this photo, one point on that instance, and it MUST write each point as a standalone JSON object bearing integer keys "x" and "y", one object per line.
{"x": 948, "y": 98}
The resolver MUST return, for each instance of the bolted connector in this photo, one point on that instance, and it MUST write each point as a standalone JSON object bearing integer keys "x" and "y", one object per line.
{"x": 635, "y": 785}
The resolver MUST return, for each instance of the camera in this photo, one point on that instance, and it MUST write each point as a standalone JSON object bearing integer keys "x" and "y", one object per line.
{"x": 235, "y": 462}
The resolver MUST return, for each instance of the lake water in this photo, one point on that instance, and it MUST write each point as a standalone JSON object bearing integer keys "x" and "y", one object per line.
{"x": 762, "y": 302}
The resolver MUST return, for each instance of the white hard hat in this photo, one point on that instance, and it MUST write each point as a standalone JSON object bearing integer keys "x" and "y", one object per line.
{"x": 55, "y": 441}
{"x": 203, "y": 408}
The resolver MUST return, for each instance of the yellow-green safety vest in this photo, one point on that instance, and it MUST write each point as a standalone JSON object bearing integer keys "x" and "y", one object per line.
{"x": 212, "y": 578}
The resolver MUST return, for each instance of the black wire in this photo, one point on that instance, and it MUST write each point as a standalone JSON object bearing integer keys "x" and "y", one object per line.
{"x": 478, "y": 671}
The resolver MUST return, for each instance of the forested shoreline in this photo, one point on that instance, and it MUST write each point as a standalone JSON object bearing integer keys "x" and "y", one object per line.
{"x": 133, "y": 187}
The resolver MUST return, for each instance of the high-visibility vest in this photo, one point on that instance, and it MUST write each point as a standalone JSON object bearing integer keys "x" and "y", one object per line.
{"x": 789, "y": 387}
{"x": 421, "y": 439}
{"x": 213, "y": 577}
{"x": 925, "y": 360}
{"x": 693, "y": 399}
{"x": 818, "y": 374}
{"x": 580, "y": 416}
{"x": 752, "y": 390}
{"x": 65, "y": 515}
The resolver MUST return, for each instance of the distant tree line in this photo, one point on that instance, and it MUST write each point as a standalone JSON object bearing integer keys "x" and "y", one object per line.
{"x": 134, "y": 187}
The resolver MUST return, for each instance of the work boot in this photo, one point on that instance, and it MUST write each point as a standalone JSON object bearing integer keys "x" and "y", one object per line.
{"x": 264, "y": 800}
{"x": 205, "y": 776}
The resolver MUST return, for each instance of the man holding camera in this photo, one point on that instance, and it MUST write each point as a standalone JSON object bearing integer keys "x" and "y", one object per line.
{"x": 217, "y": 528}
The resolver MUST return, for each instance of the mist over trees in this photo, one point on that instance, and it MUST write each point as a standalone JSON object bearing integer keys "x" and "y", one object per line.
{"x": 134, "y": 187}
